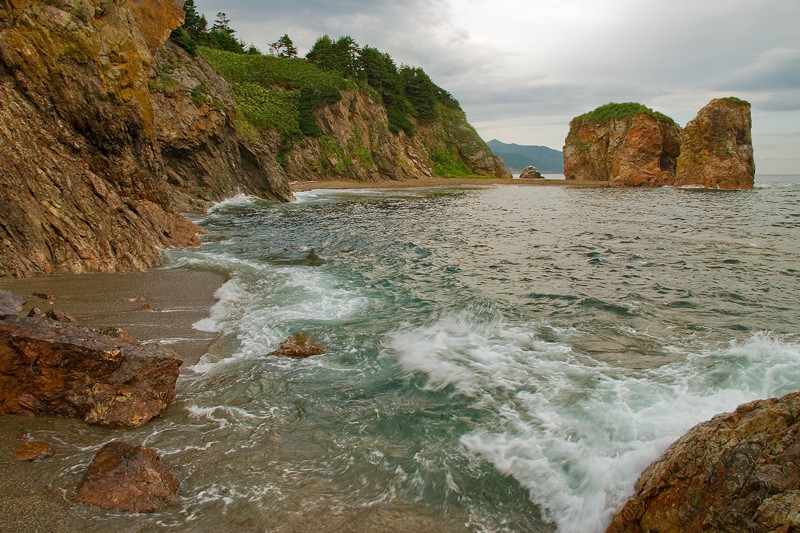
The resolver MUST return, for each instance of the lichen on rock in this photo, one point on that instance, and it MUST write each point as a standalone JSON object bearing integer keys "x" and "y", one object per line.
{"x": 717, "y": 148}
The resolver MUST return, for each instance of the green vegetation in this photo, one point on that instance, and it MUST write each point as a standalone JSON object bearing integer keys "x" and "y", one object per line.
{"x": 625, "y": 111}
{"x": 282, "y": 93}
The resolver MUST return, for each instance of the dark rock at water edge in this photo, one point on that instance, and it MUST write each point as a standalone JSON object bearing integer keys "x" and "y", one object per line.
{"x": 122, "y": 477}
{"x": 298, "y": 345}
{"x": 52, "y": 368}
{"x": 10, "y": 304}
{"x": 739, "y": 471}
{"x": 531, "y": 173}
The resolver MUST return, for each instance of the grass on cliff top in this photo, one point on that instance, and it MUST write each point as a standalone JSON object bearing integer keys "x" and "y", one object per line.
{"x": 609, "y": 112}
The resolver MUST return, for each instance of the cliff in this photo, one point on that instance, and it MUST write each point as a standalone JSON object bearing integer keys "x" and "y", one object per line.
{"x": 631, "y": 145}
{"x": 80, "y": 169}
{"x": 626, "y": 144}
{"x": 739, "y": 471}
{"x": 207, "y": 158}
{"x": 717, "y": 149}
{"x": 323, "y": 126}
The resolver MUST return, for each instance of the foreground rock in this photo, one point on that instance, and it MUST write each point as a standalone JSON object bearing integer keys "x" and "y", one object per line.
{"x": 531, "y": 173}
{"x": 128, "y": 478}
{"x": 739, "y": 471}
{"x": 50, "y": 368}
{"x": 717, "y": 148}
{"x": 626, "y": 144}
{"x": 10, "y": 304}
{"x": 298, "y": 345}
{"x": 82, "y": 182}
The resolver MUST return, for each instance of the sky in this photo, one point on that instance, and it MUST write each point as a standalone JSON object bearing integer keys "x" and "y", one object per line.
{"x": 522, "y": 69}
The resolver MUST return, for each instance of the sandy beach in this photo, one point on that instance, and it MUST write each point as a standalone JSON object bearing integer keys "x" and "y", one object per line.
{"x": 301, "y": 186}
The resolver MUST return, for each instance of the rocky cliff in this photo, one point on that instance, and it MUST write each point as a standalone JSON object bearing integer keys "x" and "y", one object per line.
{"x": 626, "y": 144}
{"x": 207, "y": 158}
{"x": 80, "y": 169}
{"x": 717, "y": 149}
{"x": 739, "y": 471}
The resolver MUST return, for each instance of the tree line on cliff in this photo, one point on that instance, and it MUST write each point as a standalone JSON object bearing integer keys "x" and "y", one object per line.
{"x": 405, "y": 91}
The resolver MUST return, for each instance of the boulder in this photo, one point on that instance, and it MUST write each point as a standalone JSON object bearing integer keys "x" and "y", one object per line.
{"x": 33, "y": 451}
{"x": 717, "y": 148}
{"x": 10, "y": 304}
{"x": 50, "y": 368}
{"x": 531, "y": 173}
{"x": 298, "y": 345}
{"x": 122, "y": 477}
{"x": 739, "y": 471}
{"x": 625, "y": 144}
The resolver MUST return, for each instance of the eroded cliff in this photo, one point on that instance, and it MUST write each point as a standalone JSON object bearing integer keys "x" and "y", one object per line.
{"x": 626, "y": 144}
{"x": 81, "y": 174}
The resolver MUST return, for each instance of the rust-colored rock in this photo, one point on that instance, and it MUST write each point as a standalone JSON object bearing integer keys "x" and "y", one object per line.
{"x": 739, "y": 471}
{"x": 82, "y": 183}
{"x": 637, "y": 148}
{"x": 122, "y": 477}
{"x": 50, "y": 368}
{"x": 298, "y": 345}
{"x": 32, "y": 451}
{"x": 717, "y": 148}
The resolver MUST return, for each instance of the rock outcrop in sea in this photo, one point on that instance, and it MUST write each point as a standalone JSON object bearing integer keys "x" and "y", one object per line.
{"x": 531, "y": 173}
{"x": 716, "y": 147}
{"x": 625, "y": 144}
{"x": 52, "y": 368}
{"x": 739, "y": 471}
{"x": 632, "y": 145}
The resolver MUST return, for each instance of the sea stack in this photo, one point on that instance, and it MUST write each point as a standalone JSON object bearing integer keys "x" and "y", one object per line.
{"x": 717, "y": 148}
{"x": 626, "y": 144}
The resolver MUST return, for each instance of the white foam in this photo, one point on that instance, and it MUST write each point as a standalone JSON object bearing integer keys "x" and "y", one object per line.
{"x": 235, "y": 200}
{"x": 577, "y": 432}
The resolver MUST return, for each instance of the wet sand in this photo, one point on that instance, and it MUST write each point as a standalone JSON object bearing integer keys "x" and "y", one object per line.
{"x": 177, "y": 298}
{"x": 301, "y": 186}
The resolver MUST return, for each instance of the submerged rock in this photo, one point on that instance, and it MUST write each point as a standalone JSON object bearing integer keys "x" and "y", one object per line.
{"x": 51, "y": 368}
{"x": 717, "y": 148}
{"x": 531, "y": 173}
{"x": 122, "y": 477}
{"x": 739, "y": 471}
{"x": 626, "y": 144}
{"x": 298, "y": 345}
{"x": 33, "y": 451}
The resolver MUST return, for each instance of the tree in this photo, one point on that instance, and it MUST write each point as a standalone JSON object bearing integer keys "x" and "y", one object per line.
{"x": 341, "y": 55}
{"x": 420, "y": 91}
{"x": 223, "y": 24}
{"x": 283, "y": 47}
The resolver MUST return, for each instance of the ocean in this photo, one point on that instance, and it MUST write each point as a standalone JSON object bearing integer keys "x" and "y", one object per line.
{"x": 497, "y": 358}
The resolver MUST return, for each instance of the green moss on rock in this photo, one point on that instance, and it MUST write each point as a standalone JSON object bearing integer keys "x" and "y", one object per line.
{"x": 624, "y": 111}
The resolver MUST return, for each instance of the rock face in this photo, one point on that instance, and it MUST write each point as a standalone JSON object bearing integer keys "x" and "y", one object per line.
{"x": 531, "y": 173}
{"x": 33, "y": 451}
{"x": 128, "y": 478}
{"x": 51, "y": 368}
{"x": 638, "y": 148}
{"x": 10, "y": 304}
{"x": 739, "y": 471}
{"x": 81, "y": 177}
{"x": 717, "y": 149}
{"x": 206, "y": 157}
{"x": 358, "y": 145}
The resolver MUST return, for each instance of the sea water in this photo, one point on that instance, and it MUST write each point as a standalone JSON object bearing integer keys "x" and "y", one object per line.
{"x": 497, "y": 358}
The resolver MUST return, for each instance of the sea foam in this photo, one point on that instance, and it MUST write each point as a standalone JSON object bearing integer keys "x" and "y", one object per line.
{"x": 574, "y": 431}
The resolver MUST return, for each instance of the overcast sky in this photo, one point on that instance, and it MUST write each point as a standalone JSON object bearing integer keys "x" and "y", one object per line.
{"x": 522, "y": 69}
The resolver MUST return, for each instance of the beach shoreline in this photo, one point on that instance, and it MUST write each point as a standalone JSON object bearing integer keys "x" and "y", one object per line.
{"x": 303, "y": 186}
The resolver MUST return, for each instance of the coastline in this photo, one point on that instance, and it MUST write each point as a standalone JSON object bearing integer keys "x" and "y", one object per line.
{"x": 303, "y": 186}
{"x": 173, "y": 300}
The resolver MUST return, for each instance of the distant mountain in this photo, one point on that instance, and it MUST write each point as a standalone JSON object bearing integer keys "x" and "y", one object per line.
{"x": 517, "y": 157}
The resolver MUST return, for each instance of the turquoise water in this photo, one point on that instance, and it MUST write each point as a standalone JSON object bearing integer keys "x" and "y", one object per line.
{"x": 498, "y": 359}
